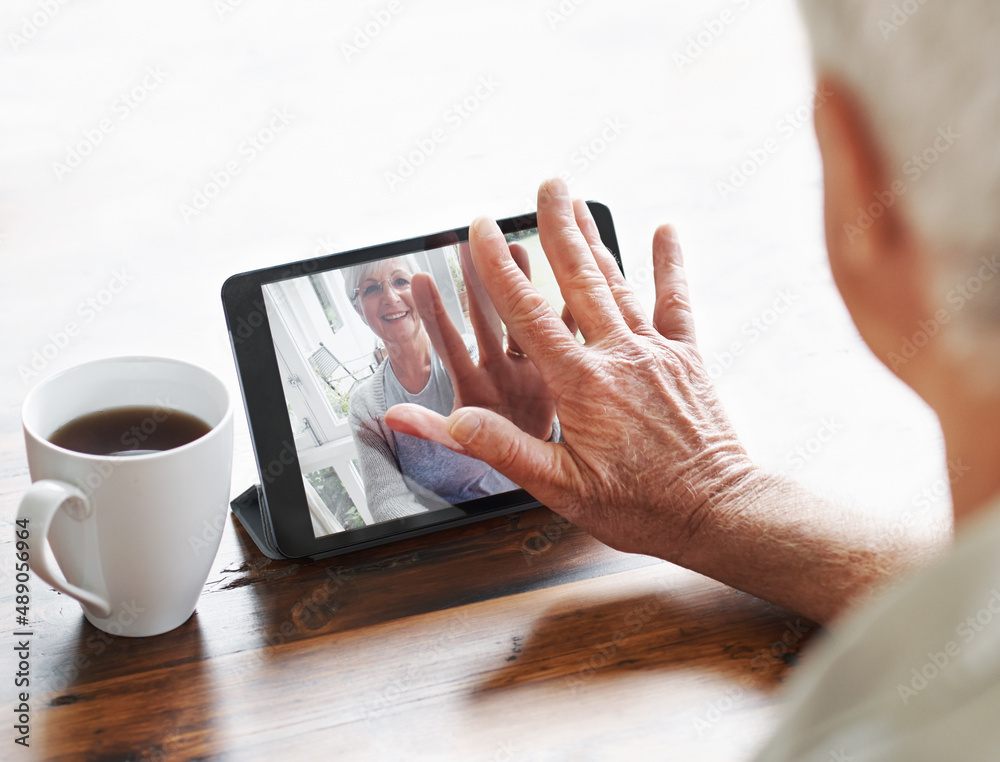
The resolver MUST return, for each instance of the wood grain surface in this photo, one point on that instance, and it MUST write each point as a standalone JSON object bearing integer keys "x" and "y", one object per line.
{"x": 516, "y": 638}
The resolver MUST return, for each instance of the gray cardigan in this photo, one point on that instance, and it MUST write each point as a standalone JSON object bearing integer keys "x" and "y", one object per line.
{"x": 390, "y": 494}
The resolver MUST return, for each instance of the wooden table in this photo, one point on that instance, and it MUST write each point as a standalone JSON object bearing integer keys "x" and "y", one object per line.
{"x": 513, "y": 639}
{"x": 519, "y": 638}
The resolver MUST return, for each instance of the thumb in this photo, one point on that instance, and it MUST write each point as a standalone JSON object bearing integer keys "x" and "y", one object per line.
{"x": 534, "y": 465}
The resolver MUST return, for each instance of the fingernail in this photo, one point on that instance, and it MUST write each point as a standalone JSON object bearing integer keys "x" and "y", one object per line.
{"x": 556, "y": 188}
{"x": 465, "y": 427}
{"x": 485, "y": 227}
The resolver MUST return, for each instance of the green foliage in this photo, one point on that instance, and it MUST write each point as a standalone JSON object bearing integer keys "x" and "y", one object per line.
{"x": 331, "y": 491}
{"x": 339, "y": 400}
{"x": 518, "y": 235}
{"x": 455, "y": 266}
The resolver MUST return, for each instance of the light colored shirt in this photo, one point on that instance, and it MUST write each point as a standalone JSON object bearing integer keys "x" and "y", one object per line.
{"x": 913, "y": 676}
{"x": 391, "y": 494}
{"x": 453, "y": 477}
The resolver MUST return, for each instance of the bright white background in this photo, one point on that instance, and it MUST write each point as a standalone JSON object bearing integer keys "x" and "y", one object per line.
{"x": 560, "y": 74}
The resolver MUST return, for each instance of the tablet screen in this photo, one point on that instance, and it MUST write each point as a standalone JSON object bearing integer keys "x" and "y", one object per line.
{"x": 323, "y": 348}
{"x": 350, "y": 344}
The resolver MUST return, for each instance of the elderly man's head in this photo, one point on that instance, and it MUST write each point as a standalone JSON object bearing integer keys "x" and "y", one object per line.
{"x": 912, "y": 175}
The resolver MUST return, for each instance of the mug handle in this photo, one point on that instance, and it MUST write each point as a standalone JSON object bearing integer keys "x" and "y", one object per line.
{"x": 39, "y": 506}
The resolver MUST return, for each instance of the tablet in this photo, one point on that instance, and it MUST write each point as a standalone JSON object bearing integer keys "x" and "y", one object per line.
{"x": 312, "y": 350}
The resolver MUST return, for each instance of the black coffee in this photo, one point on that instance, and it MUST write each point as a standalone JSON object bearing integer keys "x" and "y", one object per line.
{"x": 133, "y": 430}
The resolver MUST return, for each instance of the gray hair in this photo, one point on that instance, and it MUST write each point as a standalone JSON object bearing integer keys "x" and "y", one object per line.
{"x": 356, "y": 274}
{"x": 926, "y": 73}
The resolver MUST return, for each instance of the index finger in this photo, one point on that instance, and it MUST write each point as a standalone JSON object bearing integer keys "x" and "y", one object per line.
{"x": 444, "y": 336}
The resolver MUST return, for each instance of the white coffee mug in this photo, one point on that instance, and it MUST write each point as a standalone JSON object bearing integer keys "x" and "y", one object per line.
{"x": 131, "y": 537}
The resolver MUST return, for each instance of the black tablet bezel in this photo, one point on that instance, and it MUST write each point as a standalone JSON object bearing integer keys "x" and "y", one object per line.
{"x": 290, "y": 529}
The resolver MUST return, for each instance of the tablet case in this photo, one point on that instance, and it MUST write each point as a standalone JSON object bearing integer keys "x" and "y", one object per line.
{"x": 247, "y": 510}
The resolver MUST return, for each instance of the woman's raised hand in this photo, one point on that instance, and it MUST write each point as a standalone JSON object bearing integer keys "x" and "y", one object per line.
{"x": 502, "y": 380}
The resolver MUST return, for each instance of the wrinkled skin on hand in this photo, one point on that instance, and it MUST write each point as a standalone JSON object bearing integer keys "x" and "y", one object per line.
{"x": 647, "y": 449}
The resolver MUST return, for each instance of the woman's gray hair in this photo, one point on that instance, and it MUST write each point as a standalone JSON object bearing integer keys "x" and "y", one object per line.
{"x": 356, "y": 274}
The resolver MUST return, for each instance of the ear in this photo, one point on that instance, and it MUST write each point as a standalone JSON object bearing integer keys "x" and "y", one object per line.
{"x": 873, "y": 250}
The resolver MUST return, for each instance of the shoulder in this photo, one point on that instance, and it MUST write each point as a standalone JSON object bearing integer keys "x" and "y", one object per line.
{"x": 367, "y": 399}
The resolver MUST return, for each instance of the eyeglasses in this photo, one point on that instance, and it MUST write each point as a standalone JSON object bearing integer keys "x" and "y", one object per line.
{"x": 399, "y": 284}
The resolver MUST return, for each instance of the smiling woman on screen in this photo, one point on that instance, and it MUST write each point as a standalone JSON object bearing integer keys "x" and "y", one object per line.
{"x": 403, "y": 474}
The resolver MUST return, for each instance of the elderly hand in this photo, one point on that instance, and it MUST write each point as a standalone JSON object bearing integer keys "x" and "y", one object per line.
{"x": 647, "y": 449}
{"x": 502, "y": 381}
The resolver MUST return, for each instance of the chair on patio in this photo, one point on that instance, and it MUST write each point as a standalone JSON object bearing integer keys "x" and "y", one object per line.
{"x": 330, "y": 369}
